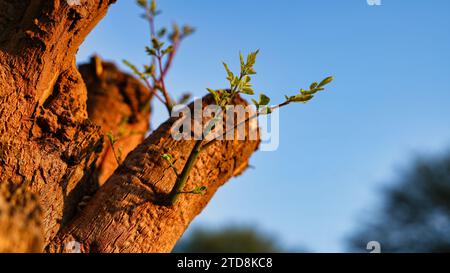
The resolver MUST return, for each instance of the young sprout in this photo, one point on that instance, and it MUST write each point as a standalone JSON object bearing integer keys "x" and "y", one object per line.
{"x": 169, "y": 159}
{"x": 117, "y": 154}
{"x": 239, "y": 84}
{"x": 153, "y": 74}
{"x": 197, "y": 190}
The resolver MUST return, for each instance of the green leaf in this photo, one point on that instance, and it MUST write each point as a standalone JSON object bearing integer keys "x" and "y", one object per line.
{"x": 263, "y": 99}
{"x": 248, "y": 91}
{"x": 188, "y": 30}
{"x": 266, "y": 110}
{"x": 167, "y": 157}
{"x": 251, "y": 58}
{"x": 215, "y": 95}
{"x": 308, "y": 92}
{"x": 262, "y": 104}
{"x": 325, "y": 81}
{"x": 149, "y": 69}
{"x": 300, "y": 98}
{"x": 153, "y": 7}
{"x": 134, "y": 69}
{"x": 111, "y": 137}
{"x": 168, "y": 50}
{"x": 199, "y": 190}
{"x": 119, "y": 154}
{"x": 162, "y": 32}
{"x": 227, "y": 68}
{"x": 241, "y": 59}
{"x": 142, "y": 3}
{"x": 251, "y": 71}
{"x": 185, "y": 97}
{"x": 151, "y": 51}
{"x": 156, "y": 43}
{"x": 313, "y": 85}
{"x": 175, "y": 35}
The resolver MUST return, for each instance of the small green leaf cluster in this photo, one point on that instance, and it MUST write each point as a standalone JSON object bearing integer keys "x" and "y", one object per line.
{"x": 307, "y": 95}
{"x": 158, "y": 49}
{"x": 155, "y": 50}
{"x": 141, "y": 74}
{"x": 262, "y": 105}
{"x": 199, "y": 190}
{"x": 242, "y": 84}
{"x": 162, "y": 56}
{"x": 238, "y": 84}
{"x": 167, "y": 157}
{"x": 177, "y": 33}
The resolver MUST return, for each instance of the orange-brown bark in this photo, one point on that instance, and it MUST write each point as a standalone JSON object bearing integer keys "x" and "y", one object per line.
{"x": 128, "y": 213}
{"x": 51, "y": 140}
{"x": 20, "y": 220}
{"x": 119, "y": 104}
{"x": 46, "y": 139}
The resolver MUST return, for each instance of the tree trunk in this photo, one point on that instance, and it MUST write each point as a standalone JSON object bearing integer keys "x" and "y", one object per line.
{"x": 119, "y": 104}
{"x": 52, "y": 142}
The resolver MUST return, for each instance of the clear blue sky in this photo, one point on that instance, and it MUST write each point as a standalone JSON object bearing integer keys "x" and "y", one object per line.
{"x": 389, "y": 102}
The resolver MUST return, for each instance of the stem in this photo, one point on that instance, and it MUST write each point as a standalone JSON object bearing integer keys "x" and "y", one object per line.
{"x": 115, "y": 154}
{"x": 163, "y": 85}
{"x": 198, "y": 148}
{"x": 174, "y": 169}
{"x": 153, "y": 90}
{"x": 151, "y": 22}
{"x": 182, "y": 178}
{"x": 169, "y": 61}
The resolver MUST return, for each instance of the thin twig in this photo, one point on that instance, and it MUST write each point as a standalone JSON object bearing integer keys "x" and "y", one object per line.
{"x": 153, "y": 90}
{"x": 163, "y": 85}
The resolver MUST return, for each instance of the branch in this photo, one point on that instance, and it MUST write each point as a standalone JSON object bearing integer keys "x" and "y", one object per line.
{"x": 127, "y": 215}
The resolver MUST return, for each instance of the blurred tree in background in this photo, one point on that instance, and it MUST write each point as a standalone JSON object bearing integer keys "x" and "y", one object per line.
{"x": 415, "y": 216}
{"x": 227, "y": 240}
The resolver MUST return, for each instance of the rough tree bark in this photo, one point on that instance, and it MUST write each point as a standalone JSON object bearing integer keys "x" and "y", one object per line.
{"x": 51, "y": 149}
{"x": 20, "y": 221}
{"x": 46, "y": 138}
{"x": 127, "y": 214}
{"x": 119, "y": 104}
